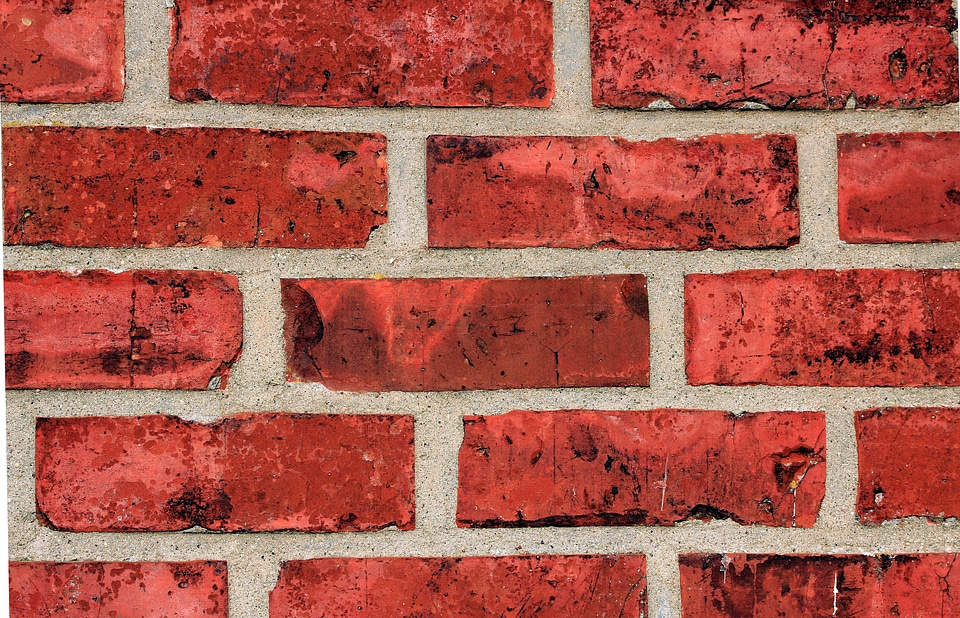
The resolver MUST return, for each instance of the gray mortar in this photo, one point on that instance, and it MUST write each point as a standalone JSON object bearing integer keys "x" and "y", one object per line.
{"x": 399, "y": 250}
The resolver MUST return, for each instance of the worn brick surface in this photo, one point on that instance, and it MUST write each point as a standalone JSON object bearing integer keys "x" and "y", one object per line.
{"x": 899, "y": 187}
{"x": 166, "y": 329}
{"x": 813, "y": 54}
{"x": 548, "y": 586}
{"x": 61, "y": 51}
{"x": 907, "y": 459}
{"x": 659, "y": 467}
{"x": 768, "y": 586}
{"x": 346, "y": 53}
{"x": 139, "y": 187}
{"x": 824, "y": 327}
{"x": 254, "y": 472}
{"x": 459, "y": 334}
{"x": 118, "y": 589}
{"x": 717, "y": 192}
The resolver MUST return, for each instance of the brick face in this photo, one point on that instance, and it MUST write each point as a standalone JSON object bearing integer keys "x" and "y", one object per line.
{"x": 361, "y": 53}
{"x": 254, "y": 473}
{"x": 549, "y": 586}
{"x": 588, "y": 468}
{"x": 718, "y": 192}
{"x": 899, "y": 187}
{"x": 809, "y": 55}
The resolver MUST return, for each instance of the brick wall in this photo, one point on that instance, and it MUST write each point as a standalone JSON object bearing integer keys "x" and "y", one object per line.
{"x": 466, "y": 308}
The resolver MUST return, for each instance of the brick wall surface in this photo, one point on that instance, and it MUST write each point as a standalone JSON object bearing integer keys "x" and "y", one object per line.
{"x": 500, "y": 307}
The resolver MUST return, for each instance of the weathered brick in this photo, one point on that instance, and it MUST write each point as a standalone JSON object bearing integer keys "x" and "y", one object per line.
{"x": 908, "y": 463}
{"x": 139, "y": 187}
{"x": 824, "y": 328}
{"x": 253, "y": 472}
{"x": 548, "y": 586}
{"x": 813, "y": 54}
{"x": 899, "y": 187}
{"x": 772, "y": 586}
{"x": 61, "y": 51}
{"x": 658, "y": 467}
{"x": 459, "y": 334}
{"x": 716, "y": 192}
{"x": 345, "y": 53}
{"x": 171, "y": 329}
{"x": 127, "y": 589}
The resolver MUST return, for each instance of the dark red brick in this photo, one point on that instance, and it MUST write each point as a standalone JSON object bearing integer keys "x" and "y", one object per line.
{"x": 899, "y": 187}
{"x": 127, "y": 589}
{"x": 138, "y": 187}
{"x": 769, "y": 586}
{"x": 908, "y": 463}
{"x": 346, "y": 53}
{"x": 61, "y": 51}
{"x": 824, "y": 328}
{"x": 717, "y": 192}
{"x": 547, "y": 586}
{"x": 658, "y": 467}
{"x": 812, "y": 54}
{"x": 459, "y": 334}
{"x": 252, "y": 472}
{"x": 170, "y": 329}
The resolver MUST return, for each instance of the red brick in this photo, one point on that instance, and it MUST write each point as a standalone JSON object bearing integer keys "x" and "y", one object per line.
{"x": 127, "y": 589}
{"x": 899, "y": 187}
{"x": 908, "y": 463}
{"x": 252, "y": 472}
{"x": 459, "y": 334}
{"x": 61, "y": 51}
{"x": 346, "y": 53}
{"x": 824, "y": 328}
{"x": 139, "y": 187}
{"x": 717, "y": 192}
{"x": 812, "y": 54}
{"x": 769, "y": 586}
{"x": 659, "y": 467}
{"x": 171, "y": 329}
{"x": 547, "y": 586}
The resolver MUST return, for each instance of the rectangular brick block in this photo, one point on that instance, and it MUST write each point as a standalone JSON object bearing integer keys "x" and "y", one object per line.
{"x": 464, "y": 334}
{"x": 908, "y": 463}
{"x": 139, "y": 187}
{"x": 899, "y": 187}
{"x": 547, "y": 586}
{"x": 346, "y": 53}
{"x": 121, "y": 589}
{"x": 814, "y": 54}
{"x": 716, "y": 192}
{"x": 169, "y": 329}
{"x": 251, "y": 473}
{"x": 658, "y": 467}
{"x": 824, "y": 328}
{"x": 61, "y": 51}
{"x": 770, "y": 586}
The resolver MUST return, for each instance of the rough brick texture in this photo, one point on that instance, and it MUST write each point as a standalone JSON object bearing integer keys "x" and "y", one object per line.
{"x": 908, "y": 463}
{"x": 120, "y": 589}
{"x": 166, "y": 329}
{"x": 255, "y": 472}
{"x": 345, "y": 53}
{"x": 813, "y": 54}
{"x": 61, "y": 51}
{"x": 824, "y": 327}
{"x": 718, "y": 192}
{"x": 460, "y": 334}
{"x": 588, "y": 468}
{"x": 760, "y": 586}
{"x": 548, "y": 586}
{"x": 899, "y": 187}
{"x": 138, "y": 187}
